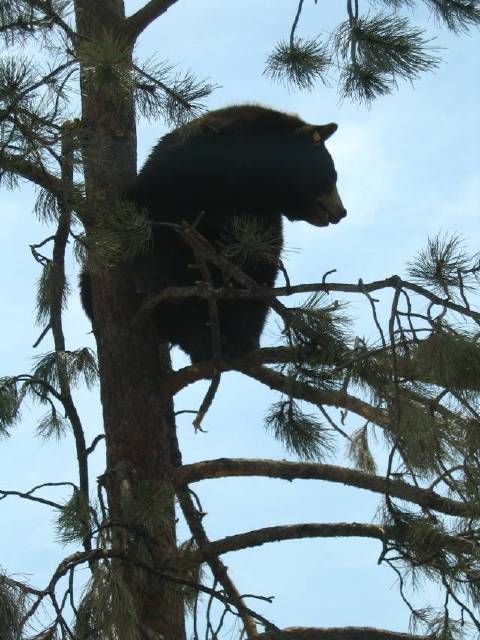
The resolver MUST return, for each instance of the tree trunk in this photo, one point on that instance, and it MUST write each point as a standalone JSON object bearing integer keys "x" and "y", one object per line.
{"x": 138, "y": 424}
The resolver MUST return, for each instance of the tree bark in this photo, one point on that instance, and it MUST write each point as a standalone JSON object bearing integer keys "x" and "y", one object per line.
{"x": 138, "y": 422}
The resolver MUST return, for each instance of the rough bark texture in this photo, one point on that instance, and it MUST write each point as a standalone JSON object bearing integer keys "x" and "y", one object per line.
{"x": 343, "y": 633}
{"x": 137, "y": 422}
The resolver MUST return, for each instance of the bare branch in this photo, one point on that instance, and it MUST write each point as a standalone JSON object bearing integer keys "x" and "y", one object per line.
{"x": 261, "y": 293}
{"x": 141, "y": 19}
{"x": 235, "y": 467}
{"x": 259, "y": 537}
{"x": 290, "y": 532}
{"x": 338, "y": 633}
{"x": 219, "y": 570}
{"x": 27, "y": 496}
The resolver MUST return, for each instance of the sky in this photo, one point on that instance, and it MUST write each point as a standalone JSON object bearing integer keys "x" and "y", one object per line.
{"x": 408, "y": 169}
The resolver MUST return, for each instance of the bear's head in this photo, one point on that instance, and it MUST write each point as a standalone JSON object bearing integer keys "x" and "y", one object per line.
{"x": 244, "y": 159}
{"x": 266, "y": 162}
{"x": 312, "y": 195}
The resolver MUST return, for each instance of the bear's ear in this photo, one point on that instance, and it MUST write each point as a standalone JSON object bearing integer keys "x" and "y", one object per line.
{"x": 318, "y": 133}
{"x": 323, "y": 132}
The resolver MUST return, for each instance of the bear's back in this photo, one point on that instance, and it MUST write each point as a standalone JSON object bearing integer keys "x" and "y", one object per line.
{"x": 217, "y": 148}
{"x": 229, "y": 119}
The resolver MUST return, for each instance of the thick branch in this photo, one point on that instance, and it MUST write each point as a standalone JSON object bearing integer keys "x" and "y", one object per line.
{"x": 338, "y": 633}
{"x": 289, "y": 532}
{"x": 249, "y": 365}
{"x": 140, "y": 20}
{"x": 226, "y": 467}
{"x": 315, "y": 530}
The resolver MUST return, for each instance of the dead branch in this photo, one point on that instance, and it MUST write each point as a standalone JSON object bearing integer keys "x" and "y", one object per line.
{"x": 141, "y": 19}
{"x": 236, "y": 467}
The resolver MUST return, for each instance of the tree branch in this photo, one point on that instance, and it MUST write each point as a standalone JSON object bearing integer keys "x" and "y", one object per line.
{"x": 234, "y": 467}
{"x": 338, "y": 633}
{"x": 290, "y": 532}
{"x": 32, "y": 172}
{"x": 27, "y": 496}
{"x": 141, "y": 19}
{"x": 41, "y": 177}
{"x": 258, "y": 537}
{"x": 219, "y": 570}
{"x": 302, "y": 391}
{"x": 249, "y": 365}
{"x": 262, "y": 293}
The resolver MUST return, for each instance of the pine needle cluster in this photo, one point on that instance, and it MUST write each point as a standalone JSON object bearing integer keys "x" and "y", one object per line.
{"x": 79, "y": 365}
{"x": 444, "y": 266}
{"x": 301, "y": 434}
{"x": 13, "y": 602}
{"x": 107, "y": 609}
{"x": 370, "y": 53}
{"x": 376, "y": 51}
{"x": 300, "y": 63}
{"x": 250, "y": 240}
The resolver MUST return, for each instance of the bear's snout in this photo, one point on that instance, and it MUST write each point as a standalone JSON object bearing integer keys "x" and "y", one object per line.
{"x": 328, "y": 208}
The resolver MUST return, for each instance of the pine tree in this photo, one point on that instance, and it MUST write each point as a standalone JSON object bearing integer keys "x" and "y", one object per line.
{"x": 416, "y": 383}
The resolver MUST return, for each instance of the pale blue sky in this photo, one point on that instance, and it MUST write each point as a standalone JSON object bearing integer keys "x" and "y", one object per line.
{"x": 408, "y": 168}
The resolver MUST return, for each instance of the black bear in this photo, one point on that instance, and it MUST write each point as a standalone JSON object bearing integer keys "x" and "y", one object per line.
{"x": 240, "y": 163}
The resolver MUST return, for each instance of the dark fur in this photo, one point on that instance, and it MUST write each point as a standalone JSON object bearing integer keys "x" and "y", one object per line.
{"x": 238, "y": 161}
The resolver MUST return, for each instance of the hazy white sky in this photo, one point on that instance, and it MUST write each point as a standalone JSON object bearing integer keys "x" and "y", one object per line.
{"x": 408, "y": 168}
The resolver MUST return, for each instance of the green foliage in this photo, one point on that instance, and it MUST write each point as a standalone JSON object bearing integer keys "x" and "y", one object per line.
{"x": 12, "y": 609}
{"x": 368, "y": 370}
{"x": 148, "y": 507}
{"x": 31, "y": 100}
{"x": 46, "y": 206}
{"x": 364, "y": 84}
{"x": 300, "y": 62}
{"x": 106, "y": 61}
{"x": 250, "y": 240}
{"x": 449, "y": 358}
{"x": 191, "y": 571}
{"x": 322, "y": 325}
{"x": 20, "y": 19}
{"x": 17, "y": 74}
{"x": 52, "y": 424}
{"x": 119, "y": 234}
{"x": 72, "y": 524}
{"x": 444, "y": 265}
{"x": 371, "y": 53}
{"x": 107, "y": 610}
{"x": 300, "y": 433}
{"x": 9, "y": 404}
{"x": 437, "y": 625}
{"x": 417, "y": 435}
{"x": 79, "y": 365}
{"x": 161, "y": 91}
{"x": 52, "y": 285}
{"x": 457, "y": 15}
{"x": 359, "y": 451}
{"x": 377, "y": 50}
{"x": 82, "y": 366}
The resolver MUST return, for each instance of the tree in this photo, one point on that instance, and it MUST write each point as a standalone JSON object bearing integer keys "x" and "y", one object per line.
{"x": 420, "y": 371}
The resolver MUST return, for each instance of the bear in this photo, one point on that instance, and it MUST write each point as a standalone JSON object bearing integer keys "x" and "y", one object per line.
{"x": 227, "y": 168}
